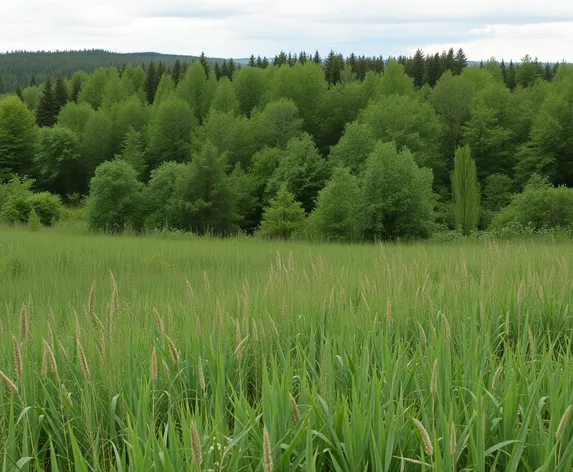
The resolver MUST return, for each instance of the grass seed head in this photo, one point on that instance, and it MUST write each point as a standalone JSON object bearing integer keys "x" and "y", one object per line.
{"x": 453, "y": 440}
{"x": 294, "y": 408}
{"x": 201, "y": 376}
{"x": 434, "y": 383}
{"x": 83, "y": 361}
{"x": 153, "y": 365}
{"x": 496, "y": 377}
{"x": 562, "y": 424}
{"x": 24, "y": 331}
{"x": 51, "y": 358}
{"x": 425, "y": 437}
{"x": 18, "y": 363}
{"x": 423, "y": 338}
{"x": 9, "y": 384}
{"x": 159, "y": 322}
{"x": 268, "y": 458}
{"x": 173, "y": 350}
{"x": 196, "y": 445}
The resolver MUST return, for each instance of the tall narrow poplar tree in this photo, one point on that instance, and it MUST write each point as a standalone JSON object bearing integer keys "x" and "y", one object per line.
{"x": 465, "y": 191}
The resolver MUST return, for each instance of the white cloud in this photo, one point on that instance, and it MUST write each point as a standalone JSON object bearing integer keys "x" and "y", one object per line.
{"x": 502, "y": 28}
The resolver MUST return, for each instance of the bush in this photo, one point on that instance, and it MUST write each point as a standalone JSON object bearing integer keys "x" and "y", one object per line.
{"x": 115, "y": 201}
{"x": 34, "y": 223}
{"x": 540, "y": 206}
{"x": 48, "y": 207}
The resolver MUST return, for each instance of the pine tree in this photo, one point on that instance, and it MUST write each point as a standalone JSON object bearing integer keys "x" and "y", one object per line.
{"x": 252, "y": 61}
{"x": 19, "y": 93}
{"x": 259, "y": 62}
{"x": 151, "y": 82}
{"x": 176, "y": 74}
{"x": 511, "y": 80}
{"x": 333, "y": 68}
{"x": 503, "y": 68}
{"x": 265, "y": 62}
{"x": 161, "y": 69}
{"x": 33, "y": 81}
{"x": 45, "y": 114}
{"x": 465, "y": 191}
{"x": 231, "y": 67}
{"x": 217, "y": 70}
{"x": 450, "y": 60}
{"x": 2, "y": 90}
{"x": 60, "y": 95}
{"x": 317, "y": 59}
{"x": 433, "y": 72}
{"x": 283, "y": 217}
{"x": 460, "y": 62}
{"x": 418, "y": 68}
{"x": 205, "y": 63}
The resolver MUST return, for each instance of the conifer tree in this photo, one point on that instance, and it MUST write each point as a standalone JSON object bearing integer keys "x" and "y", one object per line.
{"x": 45, "y": 115}
{"x": 450, "y": 60}
{"x": 465, "y": 191}
{"x": 176, "y": 74}
{"x": 217, "y": 70}
{"x": 418, "y": 68}
{"x": 204, "y": 63}
{"x": 151, "y": 82}
{"x": 252, "y": 61}
{"x": 161, "y": 69}
{"x": 511, "y": 80}
{"x": 460, "y": 62}
{"x": 19, "y": 93}
{"x": 317, "y": 59}
{"x": 283, "y": 217}
{"x": 259, "y": 62}
{"x": 60, "y": 95}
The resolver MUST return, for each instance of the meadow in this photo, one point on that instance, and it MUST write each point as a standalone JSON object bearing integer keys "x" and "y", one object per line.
{"x": 189, "y": 354}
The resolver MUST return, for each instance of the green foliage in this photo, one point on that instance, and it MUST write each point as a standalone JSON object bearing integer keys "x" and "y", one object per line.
{"x": 204, "y": 197}
{"x": 465, "y": 191}
{"x": 57, "y": 161}
{"x": 278, "y": 123}
{"x": 132, "y": 151}
{"x": 169, "y": 133}
{"x": 497, "y": 192}
{"x": 540, "y": 206}
{"x": 284, "y": 217}
{"x": 47, "y": 108}
{"x": 159, "y": 193}
{"x": 353, "y": 149}
{"x": 225, "y": 99}
{"x": 334, "y": 217}
{"x": 409, "y": 123}
{"x": 34, "y": 223}
{"x": 47, "y": 207}
{"x": 396, "y": 201}
{"x": 115, "y": 202}
{"x": 17, "y": 137}
{"x": 302, "y": 170}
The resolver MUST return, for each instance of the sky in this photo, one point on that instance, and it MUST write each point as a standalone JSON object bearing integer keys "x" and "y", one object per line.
{"x": 504, "y": 29}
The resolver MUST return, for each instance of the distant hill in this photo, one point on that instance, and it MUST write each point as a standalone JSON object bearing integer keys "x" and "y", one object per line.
{"x": 20, "y": 67}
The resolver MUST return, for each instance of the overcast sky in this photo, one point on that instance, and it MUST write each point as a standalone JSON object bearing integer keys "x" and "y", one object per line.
{"x": 505, "y": 29}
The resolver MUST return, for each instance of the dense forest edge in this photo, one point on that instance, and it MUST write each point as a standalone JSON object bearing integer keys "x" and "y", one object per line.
{"x": 347, "y": 149}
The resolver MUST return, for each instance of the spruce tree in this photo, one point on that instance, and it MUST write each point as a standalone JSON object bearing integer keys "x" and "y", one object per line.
{"x": 511, "y": 80}
{"x": 177, "y": 71}
{"x": 231, "y": 67}
{"x": 252, "y": 61}
{"x": 204, "y": 63}
{"x": 460, "y": 62}
{"x": 60, "y": 95}
{"x": 450, "y": 60}
{"x": 259, "y": 62}
{"x": 161, "y": 69}
{"x": 317, "y": 59}
{"x": 465, "y": 191}
{"x": 45, "y": 114}
{"x": 418, "y": 68}
{"x": 19, "y": 93}
{"x": 283, "y": 217}
{"x": 151, "y": 82}
{"x": 217, "y": 70}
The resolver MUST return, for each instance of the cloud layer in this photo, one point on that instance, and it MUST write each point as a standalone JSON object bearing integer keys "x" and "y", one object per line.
{"x": 228, "y": 28}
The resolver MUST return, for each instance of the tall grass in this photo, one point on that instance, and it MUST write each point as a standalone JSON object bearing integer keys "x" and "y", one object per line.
{"x": 153, "y": 354}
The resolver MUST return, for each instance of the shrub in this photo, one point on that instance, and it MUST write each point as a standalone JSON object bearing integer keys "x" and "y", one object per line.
{"x": 47, "y": 207}
{"x": 540, "y": 206}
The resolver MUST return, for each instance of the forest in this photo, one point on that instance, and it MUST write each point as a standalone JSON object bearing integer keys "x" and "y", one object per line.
{"x": 346, "y": 149}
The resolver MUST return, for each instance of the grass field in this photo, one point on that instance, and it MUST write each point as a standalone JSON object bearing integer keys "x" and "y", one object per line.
{"x": 185, "y": 354}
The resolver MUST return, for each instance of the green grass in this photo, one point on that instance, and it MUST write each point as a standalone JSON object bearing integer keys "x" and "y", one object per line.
{"x": 333, "y": 350}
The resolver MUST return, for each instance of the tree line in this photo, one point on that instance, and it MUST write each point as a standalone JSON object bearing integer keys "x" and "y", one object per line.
{"x": 347, "y": 149}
